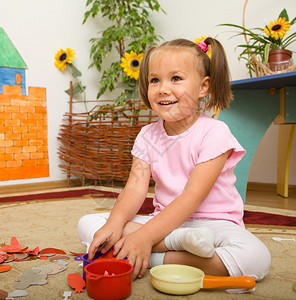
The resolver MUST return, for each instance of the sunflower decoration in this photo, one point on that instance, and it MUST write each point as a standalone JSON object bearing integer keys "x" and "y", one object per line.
{"x": 278, "y": 28}
{"x": 64, "y": 57}
{"x": 131, "y": 64}
{"x": 202, "y": 38}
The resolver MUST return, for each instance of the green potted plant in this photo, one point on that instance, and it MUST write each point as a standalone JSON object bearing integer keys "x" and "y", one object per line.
{"x": 96, "y": 145}
{"x": 130, "y": 33}
{"x": 264, "y": 42}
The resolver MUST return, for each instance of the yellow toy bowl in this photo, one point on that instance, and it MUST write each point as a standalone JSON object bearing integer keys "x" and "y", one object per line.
{"x": 182, "y": 280}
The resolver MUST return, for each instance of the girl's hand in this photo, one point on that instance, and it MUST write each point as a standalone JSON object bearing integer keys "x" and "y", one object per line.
{"x": 103, "y": 240}
{"x": 137, "y": 249}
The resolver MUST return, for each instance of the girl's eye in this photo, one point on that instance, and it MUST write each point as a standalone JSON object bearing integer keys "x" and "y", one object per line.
{"x": 176, "y": 78}
{"x": 154, "y": 80}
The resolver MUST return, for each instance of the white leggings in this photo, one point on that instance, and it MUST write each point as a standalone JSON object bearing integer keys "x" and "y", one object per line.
{"x": 242, "y": 253}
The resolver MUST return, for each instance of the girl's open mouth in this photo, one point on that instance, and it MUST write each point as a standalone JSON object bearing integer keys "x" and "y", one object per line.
{"x": 167, "y": 102}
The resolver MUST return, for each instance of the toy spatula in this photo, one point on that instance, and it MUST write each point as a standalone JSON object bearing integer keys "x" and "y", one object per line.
{"x": 76, "y": 282}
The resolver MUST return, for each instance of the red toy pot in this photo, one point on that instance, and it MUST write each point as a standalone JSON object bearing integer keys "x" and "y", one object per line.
{"x": 116, "y": 285}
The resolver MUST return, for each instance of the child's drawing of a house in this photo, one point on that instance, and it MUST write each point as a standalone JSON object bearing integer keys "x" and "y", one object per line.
{"x": 12, "y": 66}
{"x": 23, "y": 126}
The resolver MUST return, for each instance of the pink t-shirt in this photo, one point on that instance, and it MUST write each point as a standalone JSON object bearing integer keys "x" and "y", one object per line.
{"x": 173, "y": 158}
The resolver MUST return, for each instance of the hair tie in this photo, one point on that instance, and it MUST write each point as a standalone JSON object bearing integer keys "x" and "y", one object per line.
{"x": 203, "y": 46}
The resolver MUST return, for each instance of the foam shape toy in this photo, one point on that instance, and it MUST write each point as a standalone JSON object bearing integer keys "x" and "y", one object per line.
{"x": 46, "y": 269}
{"x": 51, "y": 251}
{"x": 3, "y": 294}
{"x": 18, "y": 293}
{"x": 30, "y": 278}
{"x": 4, "y": 268}
{"x": 58, "y": 257}
{"x": 13, "y": 247}
{"x": 76, "y": 282}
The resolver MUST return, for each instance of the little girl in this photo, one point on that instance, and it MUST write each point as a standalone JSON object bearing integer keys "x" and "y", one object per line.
{"x": 198, "y": 213}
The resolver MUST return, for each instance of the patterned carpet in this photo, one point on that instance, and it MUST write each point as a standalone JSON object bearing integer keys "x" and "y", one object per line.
{"x": 52, "y": 222}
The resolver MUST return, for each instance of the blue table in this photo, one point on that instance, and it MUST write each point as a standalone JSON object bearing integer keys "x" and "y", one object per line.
{"x": 258, "y": 102}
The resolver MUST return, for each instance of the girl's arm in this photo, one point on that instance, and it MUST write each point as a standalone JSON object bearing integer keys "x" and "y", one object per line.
{"x": 201, "y": 181}
{"x": 126, "y": 207}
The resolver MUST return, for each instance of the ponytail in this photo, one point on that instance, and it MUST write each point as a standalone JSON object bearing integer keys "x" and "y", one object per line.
{"x": 220, "y": 91}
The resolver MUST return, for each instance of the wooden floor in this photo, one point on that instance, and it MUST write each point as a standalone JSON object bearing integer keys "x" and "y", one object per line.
{"x": 265, "y": 195}
{"x": 269, "y": 198}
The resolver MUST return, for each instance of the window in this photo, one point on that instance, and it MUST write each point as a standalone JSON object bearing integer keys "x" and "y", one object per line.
{"x": 18, "y": 78}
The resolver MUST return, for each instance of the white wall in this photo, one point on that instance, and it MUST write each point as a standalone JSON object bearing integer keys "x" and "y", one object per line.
{"x": 39, "y": 28}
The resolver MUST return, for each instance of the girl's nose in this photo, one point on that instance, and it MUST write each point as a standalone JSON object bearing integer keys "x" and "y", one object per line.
{"x": 163, "y": 88}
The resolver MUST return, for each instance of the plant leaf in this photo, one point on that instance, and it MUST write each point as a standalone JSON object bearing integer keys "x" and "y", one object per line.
{"x": 284, "y": 14}
{"x": 75, "y": 72}
{"x": 77, "y": 88}
{"x": 293, "y": 21}
{"x": 125, "y": 86}
{"x": 266, "y": 51}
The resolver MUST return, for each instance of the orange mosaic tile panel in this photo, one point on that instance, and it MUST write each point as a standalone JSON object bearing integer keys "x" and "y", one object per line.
{"x": 23, "y": 134}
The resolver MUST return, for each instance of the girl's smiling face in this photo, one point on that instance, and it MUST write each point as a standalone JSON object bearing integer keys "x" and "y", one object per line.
{"x": 175, "y": 86}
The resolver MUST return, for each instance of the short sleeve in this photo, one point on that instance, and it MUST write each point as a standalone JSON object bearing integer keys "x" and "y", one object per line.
{"x": 217, "y": 140}
{"x": 140, "y": 148}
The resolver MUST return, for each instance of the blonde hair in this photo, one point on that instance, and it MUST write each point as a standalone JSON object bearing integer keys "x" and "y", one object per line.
{"x": 216, "y": 68}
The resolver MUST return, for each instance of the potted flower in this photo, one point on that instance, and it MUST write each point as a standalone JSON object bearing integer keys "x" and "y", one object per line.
{"x": 267, "y": 41}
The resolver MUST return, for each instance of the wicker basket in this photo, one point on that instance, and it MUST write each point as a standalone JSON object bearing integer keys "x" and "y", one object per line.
{"x": 263, "y": 69}
{"x": 99, "y": 148}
